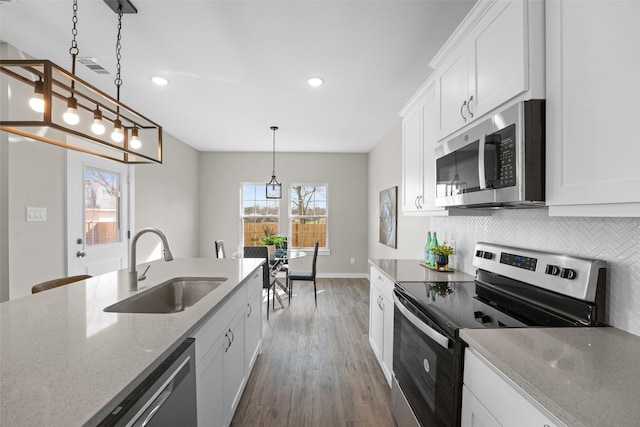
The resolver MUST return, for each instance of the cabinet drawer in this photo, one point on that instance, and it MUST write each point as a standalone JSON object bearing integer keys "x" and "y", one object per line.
{"x": 493, "y": 389}
{"x": 383, "y": 283}
{"x": 215, "y": 325}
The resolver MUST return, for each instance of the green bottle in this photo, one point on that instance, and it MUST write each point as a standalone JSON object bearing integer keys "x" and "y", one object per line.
{"x": 434, "y": 244}
{"x": 427, "y": 250}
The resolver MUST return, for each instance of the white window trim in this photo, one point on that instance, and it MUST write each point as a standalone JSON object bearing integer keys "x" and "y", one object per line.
{"x": 309, "y": 251}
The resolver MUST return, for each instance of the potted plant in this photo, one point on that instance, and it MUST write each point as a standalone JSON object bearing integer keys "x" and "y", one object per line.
{"x": 442, "y": 253}
{"x": 271, "y": 239}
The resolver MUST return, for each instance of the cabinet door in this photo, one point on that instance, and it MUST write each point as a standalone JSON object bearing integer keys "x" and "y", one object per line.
{"x": 474, "y": 414}
{"x": 499, "y": 69}
{"x": 253, "y": 326}
{"x": 210, "y": 385}
{"x": 376, "y": 322}
{"x": 412, "y": 160}
{"x": 592, "y": 98}
{"x": 430, "y": 136}
{"x": 387, "y": 338}
{"x": 453, "y": 92}
{"x": 234, "y": 366}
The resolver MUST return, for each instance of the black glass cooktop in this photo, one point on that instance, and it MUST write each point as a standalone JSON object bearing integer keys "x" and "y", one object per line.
{"x": 491, "y": 302}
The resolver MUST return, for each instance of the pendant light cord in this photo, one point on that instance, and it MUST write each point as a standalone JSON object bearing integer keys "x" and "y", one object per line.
{"x": 118, "y": 80}
{"x": 273, "y": 173}
{"x": 73, "y": 50}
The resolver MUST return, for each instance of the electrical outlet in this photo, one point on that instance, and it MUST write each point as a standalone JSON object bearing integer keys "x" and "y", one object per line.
{"x": 353, "y": 260}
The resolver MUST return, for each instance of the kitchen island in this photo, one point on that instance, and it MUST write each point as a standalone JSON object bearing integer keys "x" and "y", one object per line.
{"x": 66, "y": 362}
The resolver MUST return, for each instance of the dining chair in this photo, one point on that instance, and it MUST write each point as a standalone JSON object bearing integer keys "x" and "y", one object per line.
{"x": 309, "y": 276}
{"x": 220, "y": 249}
{"x": 50, "y": 284}
{"x": 268, "y": 281}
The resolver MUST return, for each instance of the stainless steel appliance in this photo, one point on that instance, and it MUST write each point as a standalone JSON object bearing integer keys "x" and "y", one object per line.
{"x": 167, "y": 397}
{"x": 498, "y": 162}
{"x": 513, "y": 287}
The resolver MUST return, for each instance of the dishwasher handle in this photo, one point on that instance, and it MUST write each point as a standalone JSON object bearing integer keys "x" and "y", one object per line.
{"x": 157, "y": 400}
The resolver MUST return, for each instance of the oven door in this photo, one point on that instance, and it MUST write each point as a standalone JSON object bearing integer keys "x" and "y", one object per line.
{"x": 425, "y": 366}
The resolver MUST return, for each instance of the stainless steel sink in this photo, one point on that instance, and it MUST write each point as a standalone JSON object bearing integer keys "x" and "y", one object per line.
{"x": 169, "y": 297}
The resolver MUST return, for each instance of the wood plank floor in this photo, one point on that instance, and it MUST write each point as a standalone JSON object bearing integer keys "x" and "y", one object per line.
{"x": 317, "y": 367}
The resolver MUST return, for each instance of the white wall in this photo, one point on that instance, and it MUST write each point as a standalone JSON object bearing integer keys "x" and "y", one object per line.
{"x": 385, "y": 170}
{"x": 345, "y": 174}
{"x": 167, "y": 198}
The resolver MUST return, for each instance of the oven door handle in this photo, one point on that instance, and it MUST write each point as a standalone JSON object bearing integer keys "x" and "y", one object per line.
{"x": 426, "y": 329}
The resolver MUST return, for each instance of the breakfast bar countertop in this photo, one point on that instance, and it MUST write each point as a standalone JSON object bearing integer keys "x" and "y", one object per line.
{"x": 584, "y": 376}
{"x": 66, "y": 362}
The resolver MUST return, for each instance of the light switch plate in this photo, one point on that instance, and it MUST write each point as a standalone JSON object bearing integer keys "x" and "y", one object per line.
{"x": 36, "y": 214}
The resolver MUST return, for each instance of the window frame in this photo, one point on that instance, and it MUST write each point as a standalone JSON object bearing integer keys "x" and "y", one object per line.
{"x": 275, "y": 202}
{"x": 292, "y": 217}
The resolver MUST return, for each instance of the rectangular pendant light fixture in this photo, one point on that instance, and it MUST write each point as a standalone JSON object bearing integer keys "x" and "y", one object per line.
{"x": 37, "y": 94}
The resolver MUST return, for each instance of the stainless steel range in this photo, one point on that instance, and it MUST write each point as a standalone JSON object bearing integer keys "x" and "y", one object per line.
{"x": 513, "y": 287}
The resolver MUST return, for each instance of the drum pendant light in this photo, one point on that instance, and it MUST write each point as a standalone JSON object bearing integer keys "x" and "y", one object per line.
{"x": 64, "y": 110}
{"x": 273, "y": 187}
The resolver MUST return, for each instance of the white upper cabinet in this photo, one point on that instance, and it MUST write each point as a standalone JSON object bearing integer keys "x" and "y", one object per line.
{"x": 496, "y": 55}
{"x": 412, "y": 159}
{"x": 419, "y": 130}
{"x": 593, "y": 64}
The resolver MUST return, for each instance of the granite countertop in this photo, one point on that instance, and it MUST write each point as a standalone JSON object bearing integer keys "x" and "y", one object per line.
{"x": 410, "y": 270}
{"x": 66, "y": 362}
{"x": 584, "y": 376}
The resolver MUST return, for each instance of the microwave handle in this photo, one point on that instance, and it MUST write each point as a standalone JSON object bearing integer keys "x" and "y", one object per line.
{"x": 426, "y": 329}
{"x": 481, "y": 174}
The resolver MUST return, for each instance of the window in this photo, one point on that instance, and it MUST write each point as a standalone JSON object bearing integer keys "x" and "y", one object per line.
{"x": 308, "y": 213}
{"x": 101, "y": 206}
{"x": 259, "y": 214}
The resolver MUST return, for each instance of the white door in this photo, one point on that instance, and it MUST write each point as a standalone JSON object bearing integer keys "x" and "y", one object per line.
{"x": 97, "y": 214}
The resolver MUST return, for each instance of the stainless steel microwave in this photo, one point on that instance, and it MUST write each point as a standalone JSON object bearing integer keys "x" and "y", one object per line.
{"x": 497, "y": 163}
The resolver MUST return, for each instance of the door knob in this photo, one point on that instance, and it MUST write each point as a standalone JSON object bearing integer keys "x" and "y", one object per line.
{"x": 80, "y": 254}
{"x": 79, "y": 241}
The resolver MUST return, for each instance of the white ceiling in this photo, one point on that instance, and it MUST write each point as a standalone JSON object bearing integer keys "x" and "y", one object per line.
{"x": 238, "y": 67}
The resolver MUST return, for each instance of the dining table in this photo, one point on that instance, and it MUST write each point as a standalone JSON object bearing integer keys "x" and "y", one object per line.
{"x": 278, "y": 263}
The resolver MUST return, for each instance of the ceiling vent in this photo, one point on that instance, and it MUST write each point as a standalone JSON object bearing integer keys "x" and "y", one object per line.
{"x": 92, "y": 64}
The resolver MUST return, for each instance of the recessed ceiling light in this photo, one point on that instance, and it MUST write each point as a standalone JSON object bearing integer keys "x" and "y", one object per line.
{"x": 160, "y": 81}
{"x": 315, "y": 81}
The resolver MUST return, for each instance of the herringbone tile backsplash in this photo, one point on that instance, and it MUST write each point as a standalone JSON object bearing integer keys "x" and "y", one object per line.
{"x": 615, "y": 240}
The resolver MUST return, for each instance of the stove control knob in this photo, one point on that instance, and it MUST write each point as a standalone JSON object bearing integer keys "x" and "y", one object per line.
{"x": 479, "y": 253}
{"x": 554, "y": 270}
{"x": 568, "y": 273}
{"x": 481, "y": 317}
{"x": 487, "y": 255}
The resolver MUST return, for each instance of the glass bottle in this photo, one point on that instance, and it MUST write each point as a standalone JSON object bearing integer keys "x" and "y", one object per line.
{"x": 434, "y": 244}
{"x": 427, "y": 250}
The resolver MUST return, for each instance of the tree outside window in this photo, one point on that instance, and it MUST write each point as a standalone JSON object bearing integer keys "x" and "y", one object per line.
{"x": 258, "y": 214}
{"x": 308, "y": 213}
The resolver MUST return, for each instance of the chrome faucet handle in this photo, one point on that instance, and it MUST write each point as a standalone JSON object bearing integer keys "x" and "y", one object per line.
{"x": 144, "y": 274}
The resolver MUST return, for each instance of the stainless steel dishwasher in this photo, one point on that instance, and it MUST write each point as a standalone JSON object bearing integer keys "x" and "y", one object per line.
{"x": 167, "y": 397}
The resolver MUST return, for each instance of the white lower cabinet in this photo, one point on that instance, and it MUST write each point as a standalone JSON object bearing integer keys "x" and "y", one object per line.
{"x": 381, "y": 321}
{"x": 490, "y": 399}
{"x": 223, "y": 345}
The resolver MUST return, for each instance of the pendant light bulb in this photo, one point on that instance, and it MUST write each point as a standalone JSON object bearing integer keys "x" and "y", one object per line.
{"x": 37, "y": 100}
{"x": 71, "y": 115}
{"x": 117, "y": 134}
{"x": 135, "y": 142}
{"x": 97, "y": 127}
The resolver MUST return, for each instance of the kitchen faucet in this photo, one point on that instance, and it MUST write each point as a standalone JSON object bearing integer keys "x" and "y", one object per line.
{"x": 168, "y": 256}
